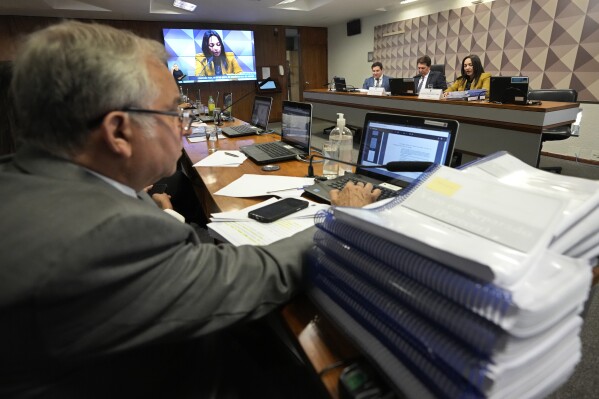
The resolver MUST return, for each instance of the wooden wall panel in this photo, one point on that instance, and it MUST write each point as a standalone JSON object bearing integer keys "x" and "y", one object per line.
{"x": 269, "y": 43}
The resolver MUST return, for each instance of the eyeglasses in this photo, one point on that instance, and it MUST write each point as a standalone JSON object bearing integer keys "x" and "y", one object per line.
{"x": 184, "y": 116}
{"x": 215, "y": 44}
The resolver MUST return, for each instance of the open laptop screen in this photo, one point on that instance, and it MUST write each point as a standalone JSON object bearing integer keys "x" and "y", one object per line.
{"x": 261, "y": 112}
{"x": 296, "y": 124}
{"x": 390, "y": 138}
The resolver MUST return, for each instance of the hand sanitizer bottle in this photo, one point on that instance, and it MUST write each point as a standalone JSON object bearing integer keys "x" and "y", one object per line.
{"x": 342, "y": 138}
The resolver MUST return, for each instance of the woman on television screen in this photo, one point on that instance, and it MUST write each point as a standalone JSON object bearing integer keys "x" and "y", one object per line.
{"x": 213, "y": 61}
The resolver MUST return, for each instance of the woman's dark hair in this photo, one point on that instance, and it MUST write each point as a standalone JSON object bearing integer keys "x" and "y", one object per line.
{"x": 206, "y": 49}
{"x": 477, "y": 68}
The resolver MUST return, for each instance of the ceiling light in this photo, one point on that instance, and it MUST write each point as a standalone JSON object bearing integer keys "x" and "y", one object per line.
{"x": 285, "y": 2}
{"x": 184, "y": 5}
{"x": 407, "y": 1}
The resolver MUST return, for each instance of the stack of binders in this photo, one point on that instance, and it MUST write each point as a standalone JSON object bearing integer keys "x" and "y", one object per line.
{"x": 467, "y": 285}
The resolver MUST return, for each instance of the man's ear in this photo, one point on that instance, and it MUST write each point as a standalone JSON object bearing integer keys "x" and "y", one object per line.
{"x": 117, "y": 133}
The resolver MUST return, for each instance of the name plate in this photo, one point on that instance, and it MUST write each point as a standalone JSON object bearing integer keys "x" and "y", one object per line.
{"x": 376, "y": 91}
{"x": 430, "y": 94}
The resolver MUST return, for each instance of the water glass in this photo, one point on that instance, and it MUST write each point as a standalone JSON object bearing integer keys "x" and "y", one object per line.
{"x": 330, "y": 169}
{"x": 211, "y": 137}
{"x": 186, "y": 120}
{"x": 216, "y": 114}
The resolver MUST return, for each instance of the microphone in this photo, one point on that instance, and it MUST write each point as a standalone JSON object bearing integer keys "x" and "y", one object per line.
{"x": 208, "y": 61}
{"x": 259, "y": 85}
{"x": 394, "y": 166}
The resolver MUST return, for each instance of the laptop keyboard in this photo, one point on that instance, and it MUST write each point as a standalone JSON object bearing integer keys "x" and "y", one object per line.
{"x": 245, "y": 129}
{"x": 274, "y": 150}
{"x": 341, "y": 181}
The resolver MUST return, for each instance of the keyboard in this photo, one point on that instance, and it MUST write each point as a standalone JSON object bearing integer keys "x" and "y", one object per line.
{"x": 246, "y": 129}
{"x": 340, "y": 182}
{"x": 274, "y": 150}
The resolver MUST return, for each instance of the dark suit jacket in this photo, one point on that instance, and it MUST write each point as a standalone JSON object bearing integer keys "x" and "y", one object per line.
{"x": 99, "y": 288}
{"x": 435, "y": 78}
{"x": 369, "y": 82}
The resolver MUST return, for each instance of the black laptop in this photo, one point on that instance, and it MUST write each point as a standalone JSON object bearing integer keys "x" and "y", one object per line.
{"x": 402, "y": 87}
{"x": 389, "y": 138}
{"x": 258, "y": 122}
{"x": 296, "y": 124}
{"x": 340, "y": 85}
{"x": 509, "y": 90}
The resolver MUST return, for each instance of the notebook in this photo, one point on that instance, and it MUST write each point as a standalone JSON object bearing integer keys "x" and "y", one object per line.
{"x": 296, "y": 123}
{"x": 389, "y": 138}
{"x": 341, "y": 86}
{"x": 402, "y": 86}
{"x": 509, "y": 89}
{"x": 258, "y": 122}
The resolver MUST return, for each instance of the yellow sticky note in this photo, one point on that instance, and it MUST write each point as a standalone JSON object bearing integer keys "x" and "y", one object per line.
{"x": 443, "y": 186}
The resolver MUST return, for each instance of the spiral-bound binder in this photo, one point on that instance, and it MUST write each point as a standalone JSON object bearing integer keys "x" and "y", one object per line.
{"x": 483, "y": 298}
{"x": 435, "y": 378}
{"x": 425, "y": 337}
{"x": 474, "y": 331}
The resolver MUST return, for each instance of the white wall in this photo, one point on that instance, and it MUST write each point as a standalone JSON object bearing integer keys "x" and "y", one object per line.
{"x": 348, "y": 57}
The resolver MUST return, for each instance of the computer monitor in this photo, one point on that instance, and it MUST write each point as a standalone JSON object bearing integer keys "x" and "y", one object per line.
{"x": 509, "y": 89}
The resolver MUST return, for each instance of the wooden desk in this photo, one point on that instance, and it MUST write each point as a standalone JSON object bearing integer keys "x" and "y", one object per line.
{"x": 322, "y": 345}
{"x": 484, "y": 127}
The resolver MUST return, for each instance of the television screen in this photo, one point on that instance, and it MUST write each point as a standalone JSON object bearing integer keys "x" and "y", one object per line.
{"x": 210, "y": 55}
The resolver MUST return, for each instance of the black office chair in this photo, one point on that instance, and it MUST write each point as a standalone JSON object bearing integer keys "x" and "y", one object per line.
{"x": 559, "y": 132}
{"x": 438, "y": 67}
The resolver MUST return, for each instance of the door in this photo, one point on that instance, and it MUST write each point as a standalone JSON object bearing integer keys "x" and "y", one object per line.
{"x": 313, "y": 61}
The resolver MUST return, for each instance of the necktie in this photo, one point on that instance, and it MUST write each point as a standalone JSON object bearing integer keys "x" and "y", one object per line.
{"x": 419, "y": 85}
{"x": 377, "y": 83}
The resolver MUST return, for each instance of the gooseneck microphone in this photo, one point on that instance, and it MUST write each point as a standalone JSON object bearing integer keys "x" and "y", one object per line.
{"x": 208, "y": 61}
{"x": 259, "y": 85}
{"x": 395, "y": 166}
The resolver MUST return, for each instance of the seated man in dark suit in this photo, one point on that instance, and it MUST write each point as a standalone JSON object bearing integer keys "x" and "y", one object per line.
{"x": 426, "y": 78}
{"x": 102, "y": 293}
{"x": 377, "y": 79}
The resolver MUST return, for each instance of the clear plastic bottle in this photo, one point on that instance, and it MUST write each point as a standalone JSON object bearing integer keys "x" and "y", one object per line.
{"x": 342, "y": 137}
{"x": 211, "y": 105}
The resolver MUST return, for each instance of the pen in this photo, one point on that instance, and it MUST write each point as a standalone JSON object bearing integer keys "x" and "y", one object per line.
{"x": 231, "y": 154}
{"x": 286, "y": 189}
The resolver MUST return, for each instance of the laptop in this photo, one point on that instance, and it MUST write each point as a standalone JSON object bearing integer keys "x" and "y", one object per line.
{"x": 296, "y": 123}
{"x": 509, "y": 90}
{"x": 402, "y": 87}
{"x": 341, "y": 86}
{"x": 258, "y": 122}
{"x": 388, "y": 138}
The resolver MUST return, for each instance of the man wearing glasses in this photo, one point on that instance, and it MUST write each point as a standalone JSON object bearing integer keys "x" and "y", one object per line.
{"x": 101, "y": 293}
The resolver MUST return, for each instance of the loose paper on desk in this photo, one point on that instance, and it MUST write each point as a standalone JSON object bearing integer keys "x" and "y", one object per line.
{"x": 228, "y": 158}
{"x": 237, "y": 228}
{"x": 250, "y": 185}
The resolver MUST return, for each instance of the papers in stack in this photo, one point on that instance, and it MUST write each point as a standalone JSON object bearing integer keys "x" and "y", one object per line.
{"x": 469, "y": 95}
{"x": 460, "y": 281}
{"x": 237, "y": 228}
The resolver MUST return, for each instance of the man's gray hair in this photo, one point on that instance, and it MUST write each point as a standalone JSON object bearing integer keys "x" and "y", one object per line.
{"x": 67, "y": 76}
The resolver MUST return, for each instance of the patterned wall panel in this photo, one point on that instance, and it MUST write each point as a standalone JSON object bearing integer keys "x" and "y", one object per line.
{"x": 553, "y": 42}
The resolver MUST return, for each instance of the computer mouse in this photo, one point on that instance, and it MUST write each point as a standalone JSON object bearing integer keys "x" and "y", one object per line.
{"x": 270, "y": 168}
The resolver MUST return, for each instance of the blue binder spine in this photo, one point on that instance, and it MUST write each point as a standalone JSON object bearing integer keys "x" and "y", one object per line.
{"x": 444, "y": 383}
{"x": 485, "y": 299}
{"x": 421, "y": 334}
{"x": 473, "y": 330}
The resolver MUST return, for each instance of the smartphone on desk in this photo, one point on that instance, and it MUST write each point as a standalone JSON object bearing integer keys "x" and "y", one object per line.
{"x": 278, "y": 210}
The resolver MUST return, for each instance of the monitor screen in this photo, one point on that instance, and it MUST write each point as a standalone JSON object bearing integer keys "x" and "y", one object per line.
{"x": 210, "y": 55}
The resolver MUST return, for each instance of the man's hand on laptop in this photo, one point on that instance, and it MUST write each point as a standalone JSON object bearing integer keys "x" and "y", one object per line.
{"x": 355, "y": 194}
